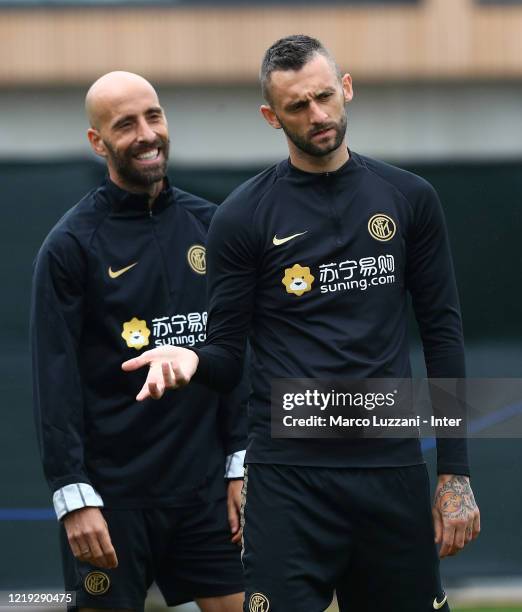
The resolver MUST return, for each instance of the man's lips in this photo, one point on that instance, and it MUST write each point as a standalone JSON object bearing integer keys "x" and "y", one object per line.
{"x": 148, "y": 156}
{"x": 322, "y": 133}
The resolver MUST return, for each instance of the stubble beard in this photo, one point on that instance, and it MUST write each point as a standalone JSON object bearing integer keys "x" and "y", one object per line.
{"x": 305, "y": 143}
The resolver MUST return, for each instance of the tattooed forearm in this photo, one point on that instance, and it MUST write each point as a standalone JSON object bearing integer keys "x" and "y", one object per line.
{"x": 455, "y": 498}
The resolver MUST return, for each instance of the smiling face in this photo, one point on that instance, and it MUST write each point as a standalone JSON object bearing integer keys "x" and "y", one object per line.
{"x": 129, "y": 129}
{"x": 309, "y": 105}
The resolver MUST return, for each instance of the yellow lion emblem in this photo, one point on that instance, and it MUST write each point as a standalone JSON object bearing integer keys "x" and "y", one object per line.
{"x": 298, "y": 280}
{"x": 136, "y": 333}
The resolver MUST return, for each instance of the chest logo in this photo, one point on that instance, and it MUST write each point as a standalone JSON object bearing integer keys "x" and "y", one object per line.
{"x": 298, "y": 280}
{"x": 196, "y": 257}
{"x": 96, "y": 583}
{"x": 116, "y": 273}
{"x": 258, "y": 603}
{"x": 278, "y": 241}
{"x": 136, "y": 333}
{"x": 381, "y": 227}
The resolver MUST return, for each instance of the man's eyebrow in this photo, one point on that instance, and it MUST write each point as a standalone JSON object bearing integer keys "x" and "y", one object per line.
{"x": 296, "y": 104}
{"x": 122, "y": 120}
{"x": 303, "y": 102}
{"x": 154, "y": 109}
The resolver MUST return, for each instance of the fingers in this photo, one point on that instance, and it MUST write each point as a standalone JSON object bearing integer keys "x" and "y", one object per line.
{"x": 468, "y": 535}
{"x": 95, "y": 548}
{"x": 233, "y": 516}
{"x": 456, "y": 535}
{"x": 157, "y": 355}
{"x": 154, "y": 384}
{"x": 143, "y": 393}
{"x": 162, "y": 376}
{"x": 96, "y": 555}
{"x": 108, "y": 550}
{"x": 167, "y": 371}
{"x": 78, "y": 548}
{"x": 460, "y": 538}
{"x": 234, "y": 523}
{"x": 179, "y": 376}
{"x": 476, "y": 526}
{"x": 170, "y": 368}
{"x": 156, "y": 388}
{"x": 448, "y": 538}
{"x": 89, "y": 537}
{"x": 234, "y": 510}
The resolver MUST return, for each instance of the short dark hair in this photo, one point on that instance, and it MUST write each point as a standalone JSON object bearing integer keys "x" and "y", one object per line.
{"x": 291, "y": 53}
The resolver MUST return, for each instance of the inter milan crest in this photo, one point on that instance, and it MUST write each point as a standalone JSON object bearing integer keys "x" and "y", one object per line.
{"x": 381, "y": 227}
{"x": 96, "y": 583}
{"x": 258, "y": 603}
{"x": 196, "y": 258}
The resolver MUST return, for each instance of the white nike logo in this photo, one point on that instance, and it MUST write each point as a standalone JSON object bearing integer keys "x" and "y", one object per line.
{"x": 277, "y": 241}
{"x": 437, "y": 605}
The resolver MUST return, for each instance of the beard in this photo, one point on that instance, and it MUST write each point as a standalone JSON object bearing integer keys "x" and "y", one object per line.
{"x": 306, "y": 144}
{"x": 124, "y": 163}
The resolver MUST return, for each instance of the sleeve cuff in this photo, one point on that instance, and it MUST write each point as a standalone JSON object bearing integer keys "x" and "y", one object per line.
{"x": 73, "y": 497}
{"x": 234, "y": 465}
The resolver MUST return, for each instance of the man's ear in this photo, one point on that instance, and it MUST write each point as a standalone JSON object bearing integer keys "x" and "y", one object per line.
{"x": 347, "y": 87}
{"x": 270, "y": 116}
{"x": 96, "y": 142}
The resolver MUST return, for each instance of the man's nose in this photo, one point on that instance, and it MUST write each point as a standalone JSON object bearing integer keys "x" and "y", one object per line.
{"x": 144, "y": 132}
{"x": 317, "y": 114}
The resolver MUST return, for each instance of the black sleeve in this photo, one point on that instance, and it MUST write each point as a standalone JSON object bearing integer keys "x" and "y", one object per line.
{"x": 231, "y": 280}
{"x": 233, "y": 414}
{"x": 431, "y": 280}
{"x": 56, "y": 325}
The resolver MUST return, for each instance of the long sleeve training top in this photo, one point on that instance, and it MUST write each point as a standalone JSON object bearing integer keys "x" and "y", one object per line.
{"x": 113, "y": 279}
{"x": 316, "y": 269}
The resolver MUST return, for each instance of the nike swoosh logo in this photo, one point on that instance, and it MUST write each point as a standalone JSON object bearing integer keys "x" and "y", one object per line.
{"x": 117, "y": 273}
{"x": 437, "y": 605}
{"x": 277, "y": 241}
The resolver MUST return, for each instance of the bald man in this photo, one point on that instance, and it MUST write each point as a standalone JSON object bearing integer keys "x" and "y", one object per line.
{"x": 144, "y": 493}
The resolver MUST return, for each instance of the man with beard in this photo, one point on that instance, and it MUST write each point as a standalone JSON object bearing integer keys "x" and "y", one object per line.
{"x": 140, "y": 490}
{"x": 313, "y": 260}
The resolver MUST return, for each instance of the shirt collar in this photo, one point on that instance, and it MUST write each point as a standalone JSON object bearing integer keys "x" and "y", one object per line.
{"x": 349, "y": 166}
{"x": 121, "y": 200}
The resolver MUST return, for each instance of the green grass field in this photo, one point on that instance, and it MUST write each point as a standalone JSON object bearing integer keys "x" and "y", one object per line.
{"x": 489, "y": 608}
{"x": 517, "y": 608}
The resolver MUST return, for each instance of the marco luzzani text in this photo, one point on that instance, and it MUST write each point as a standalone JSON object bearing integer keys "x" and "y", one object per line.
{"x": 322, "y": 401}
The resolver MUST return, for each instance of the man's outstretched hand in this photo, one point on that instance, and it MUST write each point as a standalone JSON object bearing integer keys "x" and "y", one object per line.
{"x": 170, "y": 367}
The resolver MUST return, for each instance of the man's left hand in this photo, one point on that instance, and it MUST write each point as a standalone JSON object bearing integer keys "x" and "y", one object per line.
{"x": 234, "y": 509}
{"x": 456, "y": 515}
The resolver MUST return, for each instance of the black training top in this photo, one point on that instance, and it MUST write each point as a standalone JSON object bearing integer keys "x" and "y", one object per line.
{"x": 316, "y": 269}
{"x": 113, "y": 279}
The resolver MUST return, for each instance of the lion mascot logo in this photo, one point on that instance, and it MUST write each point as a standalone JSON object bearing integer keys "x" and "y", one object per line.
{"x": 298, "y": 280}
{"x": 136, "y": 333}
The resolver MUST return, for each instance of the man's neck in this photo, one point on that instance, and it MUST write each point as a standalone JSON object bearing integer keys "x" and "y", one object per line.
{"x": 314, "y": 164}
{"x": 152, "y": 190}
